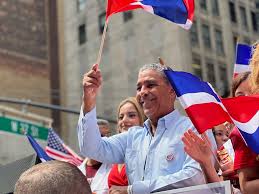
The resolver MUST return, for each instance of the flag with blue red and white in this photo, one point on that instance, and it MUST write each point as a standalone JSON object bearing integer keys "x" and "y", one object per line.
{"x": 200, "y": 101}
{"x": 180, "y": 12}
{"x": 244, "y": 111}
{"x": 243, "y": 56}
{"x": 58, "y": 150}
{"x": 206, "y": 109}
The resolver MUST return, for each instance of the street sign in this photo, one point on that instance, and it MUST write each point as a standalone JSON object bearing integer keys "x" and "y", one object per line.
{"x": 23, "y": 127}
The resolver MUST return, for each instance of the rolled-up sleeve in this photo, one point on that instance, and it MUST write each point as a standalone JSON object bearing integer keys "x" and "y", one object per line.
{"x": 92, "y": 145}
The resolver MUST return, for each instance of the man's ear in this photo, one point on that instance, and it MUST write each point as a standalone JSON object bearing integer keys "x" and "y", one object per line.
{"x": 172, "y": 92}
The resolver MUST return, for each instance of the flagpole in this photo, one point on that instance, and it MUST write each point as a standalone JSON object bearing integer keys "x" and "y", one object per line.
{"x": 213, "y": 153}
{"x": 102, "y": 43}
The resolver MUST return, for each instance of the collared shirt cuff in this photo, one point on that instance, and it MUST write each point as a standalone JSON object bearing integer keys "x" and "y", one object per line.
{"x": 141, "y": 187}
{"x": 88, "y": 115}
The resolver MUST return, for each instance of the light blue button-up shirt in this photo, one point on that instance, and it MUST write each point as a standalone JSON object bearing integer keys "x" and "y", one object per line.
{"x": 152, "y": 162}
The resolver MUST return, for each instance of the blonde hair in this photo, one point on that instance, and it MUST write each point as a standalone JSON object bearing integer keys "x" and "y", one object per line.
{"x": 255, "y": 68}
{"x": 137, "y": 106}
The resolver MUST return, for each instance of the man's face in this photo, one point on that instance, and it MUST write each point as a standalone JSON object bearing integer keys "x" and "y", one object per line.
{"x": 154, "y": 95}
{"x": 104, "y": 130}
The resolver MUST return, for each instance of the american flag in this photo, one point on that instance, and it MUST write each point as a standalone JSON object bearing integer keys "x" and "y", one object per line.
{"x": 57, "y": 150}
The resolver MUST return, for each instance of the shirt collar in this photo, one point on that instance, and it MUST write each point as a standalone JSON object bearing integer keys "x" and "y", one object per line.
{"x": 164, "y": 122}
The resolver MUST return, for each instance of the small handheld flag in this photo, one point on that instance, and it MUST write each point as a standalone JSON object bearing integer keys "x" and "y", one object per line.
{"x": 57, "y": 150}
{"x": 180, "y": 12}
{"x": 244, "y": 111}
{"x": 38, "y": 149}
{"x": 243, "y": 56}
{"x": 198, "y": 98}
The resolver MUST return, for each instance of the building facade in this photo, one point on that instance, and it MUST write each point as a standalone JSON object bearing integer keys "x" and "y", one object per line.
{"x": 29, "y": 65}
{"x": 136, "y": 38}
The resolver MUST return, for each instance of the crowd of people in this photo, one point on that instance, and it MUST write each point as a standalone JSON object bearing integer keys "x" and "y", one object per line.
{"x": 155, "y": 148}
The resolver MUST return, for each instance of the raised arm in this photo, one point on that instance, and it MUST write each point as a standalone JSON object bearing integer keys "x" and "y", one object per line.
{"x": 106, "y": 150}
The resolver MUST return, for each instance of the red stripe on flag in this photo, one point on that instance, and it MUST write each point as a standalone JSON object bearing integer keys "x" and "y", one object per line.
{"x": 190, "y": 5}
{"x": 114, "y": 6}
{"x": 242, "y": 108}
{"x": 57, "y": 155}
{"x": 207, "y": 115}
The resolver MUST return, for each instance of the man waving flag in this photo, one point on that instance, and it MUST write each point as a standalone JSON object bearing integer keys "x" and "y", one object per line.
{"x": 180, "y": 12}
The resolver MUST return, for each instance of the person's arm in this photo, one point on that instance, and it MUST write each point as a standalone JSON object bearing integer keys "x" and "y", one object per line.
{"x": 199, "y": 149}
{"x": 249, "y": 180}
{"x": 92, "y": 145}
{"x": 107, "y": 150}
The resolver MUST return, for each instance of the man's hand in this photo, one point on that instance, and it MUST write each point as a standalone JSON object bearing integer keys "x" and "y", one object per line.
{"x": 92, "y": 81}
{"x": 198, "y": 148}
{"x": 118, "y": 190}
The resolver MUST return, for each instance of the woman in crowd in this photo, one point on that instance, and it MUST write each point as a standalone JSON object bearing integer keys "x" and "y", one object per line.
{"x": 246, "y": 162}
{"x": 129, "y": 114}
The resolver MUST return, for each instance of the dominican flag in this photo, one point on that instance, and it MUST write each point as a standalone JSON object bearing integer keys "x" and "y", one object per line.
{"x": 243, "y": 56}
{"x": 180, "y": 12}
{"x": 38, "y": 149}
{"x": 244, "y": 111}
{"x": 57, "y": 150}
{"x": 198, "y": 98}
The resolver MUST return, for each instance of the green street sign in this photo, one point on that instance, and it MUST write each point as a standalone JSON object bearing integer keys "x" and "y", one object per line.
{"x": 23, "y": 127}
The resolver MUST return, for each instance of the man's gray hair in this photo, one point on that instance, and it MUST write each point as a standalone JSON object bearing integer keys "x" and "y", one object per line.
{"x": 156, "y": 67}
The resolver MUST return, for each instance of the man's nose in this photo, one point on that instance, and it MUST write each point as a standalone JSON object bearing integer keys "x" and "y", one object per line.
{"x": 143, "y": 91}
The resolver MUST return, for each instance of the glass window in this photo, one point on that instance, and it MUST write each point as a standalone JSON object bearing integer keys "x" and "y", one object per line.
{"x": 215, "y": 7}
{"x": 81, "y": 34}
{"x": 81, "y": 4}
{"x": 206, "y": 36}
{"x": 196, "y": 66}
{"x": 243, "y": 16}
{"x": 211, "y": 74}
{"x": 223, "y": 82}
{"x": 203, "y": 4}
{"x": 219, "y": 42}
{"x": 255, "y": 21}
{"x": 232, "y": 12}
{"x": 128, "y": 15}
{"x": 194, "y": 35}
{"x": 102, "y": 18}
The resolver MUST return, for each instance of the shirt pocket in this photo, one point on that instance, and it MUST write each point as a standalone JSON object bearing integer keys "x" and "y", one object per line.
{"x": 172, "y": 158}
{"x": 131, "y": 161}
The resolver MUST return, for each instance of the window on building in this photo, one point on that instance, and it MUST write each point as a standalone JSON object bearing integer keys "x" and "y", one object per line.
{"x": 219, "y": 42}
{"x": 211, "y": 74}
{"x": 215, "y": 7}
{"x": 254, "y": 21}
{"x": 232, "y": 11}
{"x": 196, "y": 66}
{"x": 203, "y": 4}
{"x": 235, "y": 38}
{"x": 243, "y": 16}
{"x": 206, "y": 36}
{"x": 247, "y": 40}
{"x": 128, "y": 15}
{"x": 223, "y": 87}
{"x": 81, "y": 4}
{"x": 81, "y": 34}
{"x": 194, "y": 35}
{"x": 102, "y": 17}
